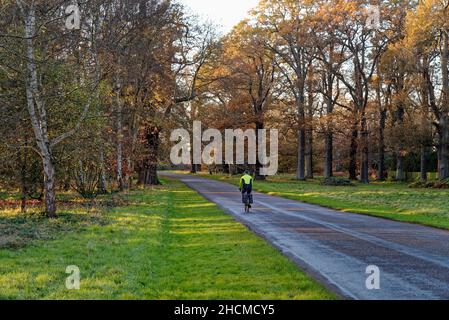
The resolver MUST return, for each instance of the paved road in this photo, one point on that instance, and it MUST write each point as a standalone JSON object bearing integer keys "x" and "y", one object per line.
{"x": 336, "y": 247}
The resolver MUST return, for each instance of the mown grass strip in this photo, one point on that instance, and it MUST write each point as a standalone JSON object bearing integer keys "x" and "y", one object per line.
{"x": 166, "y": 243}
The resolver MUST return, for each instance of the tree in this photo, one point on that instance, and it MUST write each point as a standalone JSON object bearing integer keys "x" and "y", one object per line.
{"x": 250, "y": 69}
{"x": 290, "y": 36}
{"x": 427, "y": 34}
{"x": 42, "y": 53}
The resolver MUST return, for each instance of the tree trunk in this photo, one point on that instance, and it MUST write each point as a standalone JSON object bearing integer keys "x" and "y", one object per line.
{"x": 102, "y": 187}
{"x": 424, "y": 161}
{"x": 353, "y": 150}
{"x": 400, "y": 173}
{"x": 130, "y": 161}
{"x": 231, "y": 169}
{"x": 309, "y": 155}
{"x": 329, "y": 135}
{"x": 38, "y": 113}
{"x": 129, "y": 172}
{"x": 364, "y": 163}
{"x": 23, "y": 160}
{"x": 443, "y": 166}
{"x": 381, "y": 148}
{"x": 193, "y": 166}
{"x": 301, "y": 164}
{"x": 150, "y": 177}
{"x": 443, "y": 163}
{"x": 300, "y": 171}
{"x": 309, "y": 128}
{"x": 328, "y": 154}
{"x": 193, "y": 169}
{"x": 49, "y": 183}
{"x": 258, "y": 176}
{"x": 119, "y": 146}
{"x": 382, "y": 123}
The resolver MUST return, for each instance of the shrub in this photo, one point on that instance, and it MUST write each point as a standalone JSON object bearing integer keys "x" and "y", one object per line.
{"x": 429, "y": 185}
{"x": 419, "y": 185}
{"x": 391, "y": 179}
{"x": 337, "y": 181}
{"x": 86, "y": 178}
{"x": 442, "y": 184}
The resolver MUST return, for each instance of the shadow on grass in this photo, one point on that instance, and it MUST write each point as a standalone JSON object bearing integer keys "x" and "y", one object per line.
{"x": 167, "y": 245}
{"x": 18, "y": 230}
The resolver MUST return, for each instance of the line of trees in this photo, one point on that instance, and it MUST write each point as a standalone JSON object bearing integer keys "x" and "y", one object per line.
{"x": 91, "y": 108}
{"x": 84, "y": 107}
{"x": 348, "y": 92}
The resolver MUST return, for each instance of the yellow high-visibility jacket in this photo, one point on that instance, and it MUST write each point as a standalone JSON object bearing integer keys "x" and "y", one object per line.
{"x": 246, "y": 180}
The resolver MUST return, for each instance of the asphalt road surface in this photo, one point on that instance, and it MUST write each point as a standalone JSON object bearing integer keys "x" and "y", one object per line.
{"x": 336, "y": 248}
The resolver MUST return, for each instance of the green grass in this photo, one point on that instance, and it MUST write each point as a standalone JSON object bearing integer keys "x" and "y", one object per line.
{"x": 390, "y": 200}
{"x": 3, "y": 195}
{"x": 166, "y": 243}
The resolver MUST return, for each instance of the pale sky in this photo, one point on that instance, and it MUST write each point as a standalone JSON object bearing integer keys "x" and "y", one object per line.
{"x": 226, "y": 13}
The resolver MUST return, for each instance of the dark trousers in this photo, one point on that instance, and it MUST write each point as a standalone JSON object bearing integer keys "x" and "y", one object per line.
{"x": 247, "y": 189}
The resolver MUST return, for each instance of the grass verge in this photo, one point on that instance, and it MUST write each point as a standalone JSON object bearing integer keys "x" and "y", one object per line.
{"x": 166, "y": 243}
{"x": 389, "y": 200}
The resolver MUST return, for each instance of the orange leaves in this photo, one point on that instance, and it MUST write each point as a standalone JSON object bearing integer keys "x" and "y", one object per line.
{"x": 424, "y": 25}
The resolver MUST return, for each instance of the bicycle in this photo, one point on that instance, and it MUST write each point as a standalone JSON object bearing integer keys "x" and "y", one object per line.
{"x": 247, "y": 202}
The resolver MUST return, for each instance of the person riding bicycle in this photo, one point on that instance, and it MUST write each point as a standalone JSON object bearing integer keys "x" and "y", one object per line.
{"x": 246, "y": 184}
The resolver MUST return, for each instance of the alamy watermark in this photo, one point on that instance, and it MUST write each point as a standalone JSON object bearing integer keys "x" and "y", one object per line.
{"x": 73, "y": 21}
{"x": 373, "y": 280}
{"x": 73, "y": 281}
{"x": 188, "y": 152}
{"x": 373, "y": 17}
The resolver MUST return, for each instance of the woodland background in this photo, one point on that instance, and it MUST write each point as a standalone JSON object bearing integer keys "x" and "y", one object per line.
{"x": 92, "y": 109}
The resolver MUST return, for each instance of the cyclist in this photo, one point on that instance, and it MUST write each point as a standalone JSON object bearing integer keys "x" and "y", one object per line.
{"x": 246, "y": 184}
